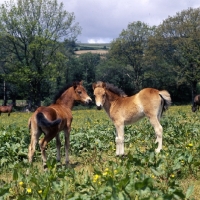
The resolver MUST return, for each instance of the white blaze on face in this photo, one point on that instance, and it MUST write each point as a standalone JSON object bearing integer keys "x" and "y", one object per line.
{"x": 98, "y": 103}
{"x": 99, "y": 96}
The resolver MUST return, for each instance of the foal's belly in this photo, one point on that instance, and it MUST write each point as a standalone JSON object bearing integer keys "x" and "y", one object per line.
{"x": 127, "y": 113}
{"x": 132, "y": 115}
{"x": 133, "y": 119}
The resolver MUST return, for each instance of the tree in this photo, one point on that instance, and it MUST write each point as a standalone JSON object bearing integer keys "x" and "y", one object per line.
{"x": 31, "y": 34}
{"x": 83, "y": 68}
{"x": 129, "y": 49}
{"x": 113, "y": 71}
{"x": 178, "y": 41}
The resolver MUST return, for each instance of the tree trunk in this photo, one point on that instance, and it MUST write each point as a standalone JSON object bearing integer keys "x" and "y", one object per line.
{"x": 194, "y": 89}
{"x": 4, "y": 94}
{"x": 13, "y": 102}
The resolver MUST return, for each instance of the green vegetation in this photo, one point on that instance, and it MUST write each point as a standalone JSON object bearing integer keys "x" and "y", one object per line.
{"x": 31, "y": 32}
{"x": 35, "y": 64}
{"x": 46, "y": 59}
{"x": 95, "y": 172}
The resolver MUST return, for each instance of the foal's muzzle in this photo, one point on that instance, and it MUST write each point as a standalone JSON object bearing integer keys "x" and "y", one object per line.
{"x": 88, "y": 100}
{"x": 99, "y": 107}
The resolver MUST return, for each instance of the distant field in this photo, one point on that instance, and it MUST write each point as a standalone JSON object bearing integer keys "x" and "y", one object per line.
{"x": 95, "y": 45}
{"x": 99, "y": 51}
{"x": 102, "y": 48}
{"x": 18, "y": 102}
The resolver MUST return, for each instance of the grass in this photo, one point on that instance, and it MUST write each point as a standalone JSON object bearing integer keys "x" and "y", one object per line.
{"x": 191, "y": 181}
{"x": 92, "y": 156}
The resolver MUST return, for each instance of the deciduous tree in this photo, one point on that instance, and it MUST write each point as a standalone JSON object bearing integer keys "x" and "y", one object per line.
{"x": 129, "y": 48}
{"x": 31, "y": 33}
{"x": 178, "y": 40}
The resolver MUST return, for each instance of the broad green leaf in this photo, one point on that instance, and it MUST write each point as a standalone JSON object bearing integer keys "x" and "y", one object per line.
{"x": 189, "y": 191}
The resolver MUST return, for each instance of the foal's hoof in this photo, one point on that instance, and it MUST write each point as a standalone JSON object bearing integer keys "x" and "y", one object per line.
{"x": 157, "y": 150}
{"x": 67, "y": 163}
{"x": 45, "y": 167}
{"x": 58, "y": 165}
{"x": 121, "y": 156}
{"x": 27, "y": 171}
{"x": 124, "y": 156}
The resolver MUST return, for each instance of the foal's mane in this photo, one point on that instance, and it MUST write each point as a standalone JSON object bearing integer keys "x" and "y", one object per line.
{"x": 62, "y": 90}
{"x": 113, "y": 89}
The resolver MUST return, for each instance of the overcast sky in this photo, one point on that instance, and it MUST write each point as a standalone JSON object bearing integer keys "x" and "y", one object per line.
{"x": 103, "y": 20}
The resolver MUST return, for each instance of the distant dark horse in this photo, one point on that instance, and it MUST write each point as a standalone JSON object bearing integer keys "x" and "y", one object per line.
{"x": 196, "y": 103}
{"x": 6, "y": 109}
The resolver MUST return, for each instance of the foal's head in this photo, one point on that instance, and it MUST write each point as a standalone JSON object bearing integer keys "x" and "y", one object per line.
{"x": 99, "y": 93}
{"x": 100, "y": 89}
{"x": 80, "y": 93}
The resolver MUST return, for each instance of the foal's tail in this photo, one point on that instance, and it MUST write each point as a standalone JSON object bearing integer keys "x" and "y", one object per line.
{"x": 42, "y": 121}
{"x": 166, "y": 100}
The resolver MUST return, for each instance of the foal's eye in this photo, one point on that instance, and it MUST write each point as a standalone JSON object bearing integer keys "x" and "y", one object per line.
{"x": 79, "y": 92}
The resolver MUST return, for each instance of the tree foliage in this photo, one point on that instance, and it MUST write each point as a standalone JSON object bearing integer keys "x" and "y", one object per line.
{"x": 178, "y": 40}
{"x": 83, "y": 67}
{"x": 130, "y": 47}
{"x": 38, "y": 40}
{"x": 31, "y": 33}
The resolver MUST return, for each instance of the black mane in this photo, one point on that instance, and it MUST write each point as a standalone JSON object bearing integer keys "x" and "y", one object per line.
{"x": 60, "y": 92}
{"x": 115, "y": 90}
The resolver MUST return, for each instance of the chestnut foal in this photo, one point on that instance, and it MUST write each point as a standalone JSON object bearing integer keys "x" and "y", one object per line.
{"x": 55, "y": 118}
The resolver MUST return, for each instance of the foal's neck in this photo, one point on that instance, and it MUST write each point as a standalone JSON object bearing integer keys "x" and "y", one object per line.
{"x": 110, "y": 99}
{"x": 67, "y": 98}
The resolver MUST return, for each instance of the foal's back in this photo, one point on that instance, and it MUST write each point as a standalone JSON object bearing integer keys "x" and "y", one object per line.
{"x": 133, "y": 108}
{"x": 149, "y": 99}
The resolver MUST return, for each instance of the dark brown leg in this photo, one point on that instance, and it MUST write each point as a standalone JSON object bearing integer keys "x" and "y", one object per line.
{"x": 67, "y": 144}
{"x": 43, "y": 143}
{"x": 58, "y": 146}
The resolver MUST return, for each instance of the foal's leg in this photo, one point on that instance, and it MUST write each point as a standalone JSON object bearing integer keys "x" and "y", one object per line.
{"x": 119, "y": 139}
{"x": 160, "y": 111}
{"x": 43, "y": 143}
{"x": 158, "y": 130}
{"x": 35, "y": 134}
{"x": 67, "y": 143}
{"x": 58, "y": 146}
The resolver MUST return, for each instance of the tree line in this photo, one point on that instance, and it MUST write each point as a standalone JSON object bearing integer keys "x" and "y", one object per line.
{"x": 38, "y": 41}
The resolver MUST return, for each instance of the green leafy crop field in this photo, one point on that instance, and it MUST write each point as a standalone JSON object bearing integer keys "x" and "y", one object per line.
{"x": 94, "y": 171}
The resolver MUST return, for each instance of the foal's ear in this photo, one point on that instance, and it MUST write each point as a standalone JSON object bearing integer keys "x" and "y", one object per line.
{"x": 104, "y": 85}
{"x": 81, "y": 82}
{"x": 93, "y": 86}
{"x": 75, "y": 84}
